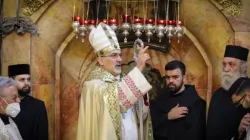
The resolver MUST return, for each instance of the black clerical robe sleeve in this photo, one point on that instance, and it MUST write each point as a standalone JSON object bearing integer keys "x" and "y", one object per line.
{"x": 196, "y": 121}
{"x": 41, "y": 123}
{"x": 159, "y": 121}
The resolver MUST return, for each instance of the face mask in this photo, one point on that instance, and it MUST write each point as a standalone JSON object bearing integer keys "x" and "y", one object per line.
{"x": 12, "y": 109}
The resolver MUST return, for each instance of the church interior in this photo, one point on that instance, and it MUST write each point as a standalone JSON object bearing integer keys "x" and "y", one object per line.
{"x": 52, "y": 36}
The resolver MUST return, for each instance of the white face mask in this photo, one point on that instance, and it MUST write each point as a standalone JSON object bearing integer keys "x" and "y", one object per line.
{"x": 12, "y": 109}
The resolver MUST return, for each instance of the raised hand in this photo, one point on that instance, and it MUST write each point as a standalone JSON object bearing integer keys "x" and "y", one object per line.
{"x": 245, "y": 122}
{"x": 142, "y": 58}
{"x": 177, "y": 112}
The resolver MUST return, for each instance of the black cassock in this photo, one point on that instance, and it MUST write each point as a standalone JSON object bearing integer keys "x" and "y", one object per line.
{"x": 32, "y": 120}
{"x": 223, "y": 116}
{"x": 191, "y": 127}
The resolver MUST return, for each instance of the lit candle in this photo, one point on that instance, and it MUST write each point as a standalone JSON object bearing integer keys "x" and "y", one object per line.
{"x": 150, "y": 21}
{"x": 161, "y": 22}
{"x": 126, "y": 18}
{"x": 76, "y": 18}
{"x": 104, "y": 21}
{"x": 138, "y": 20}
{"x": 113, "y": 21}
{"x": 180, "y": 23}
{"x": 91, "y": 22}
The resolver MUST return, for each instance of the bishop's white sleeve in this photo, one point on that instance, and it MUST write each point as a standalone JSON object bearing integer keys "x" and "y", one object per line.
{"x": 132, "y": 88}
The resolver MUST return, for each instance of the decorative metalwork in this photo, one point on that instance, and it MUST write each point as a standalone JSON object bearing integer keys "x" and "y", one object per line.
{"x": 151, "y": 28}
{"x": 18, "y": 24}
{"x": 233, "y": 7}
{"x": 28, "y": 7}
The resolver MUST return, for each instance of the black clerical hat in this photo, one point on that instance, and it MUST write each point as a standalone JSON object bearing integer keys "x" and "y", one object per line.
{"x": 240, "y": 84}
{"x": 236, "y": 52}
{"x": 18, "y": 69}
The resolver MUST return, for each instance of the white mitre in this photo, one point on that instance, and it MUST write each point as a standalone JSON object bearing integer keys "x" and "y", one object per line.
{"x": 103, "y": 40}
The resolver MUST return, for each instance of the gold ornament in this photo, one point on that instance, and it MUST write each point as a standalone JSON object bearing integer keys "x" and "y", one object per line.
{"x": 233, "y": 7}
{"x": 28, "y": 7}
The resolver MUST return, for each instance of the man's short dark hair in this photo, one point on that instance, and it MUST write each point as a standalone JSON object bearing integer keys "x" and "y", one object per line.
{"x": 175, "y": 64}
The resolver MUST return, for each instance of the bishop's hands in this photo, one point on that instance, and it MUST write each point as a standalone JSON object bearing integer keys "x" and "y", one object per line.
{"x": 245, "y": 122}
{"x": 177, "y": 112}
{"x": 143, "y": 57}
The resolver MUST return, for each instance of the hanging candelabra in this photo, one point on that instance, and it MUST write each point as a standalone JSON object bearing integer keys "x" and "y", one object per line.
{"x": 79, "y": 25}
{"x": 179, "y": 29}
{"x": 75, "y": 25}
{"x": 149, "y": 26}
{"x": 160, "y": 28}
{"x": 113, "y": 23}
{"x": 125, "y": 27}
{"x": 138, "y": 27}
{"x": 83, "y": 29}
{"x": 91, "y": 24}
{"x": 170, "y": 28}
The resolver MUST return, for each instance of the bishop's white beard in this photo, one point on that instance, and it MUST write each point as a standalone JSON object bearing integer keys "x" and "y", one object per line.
{"x": 228, "y": 78}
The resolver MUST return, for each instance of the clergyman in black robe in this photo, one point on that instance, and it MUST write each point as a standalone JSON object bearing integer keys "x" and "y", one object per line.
{"x": 178, "y": 113}
{"x": 223, "y": 115}
{"x": 241, "y": 94}
{"x": 32, "y": 120}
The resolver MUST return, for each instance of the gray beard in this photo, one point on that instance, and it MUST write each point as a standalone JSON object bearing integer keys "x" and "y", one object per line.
{"x": 228, "y": 78}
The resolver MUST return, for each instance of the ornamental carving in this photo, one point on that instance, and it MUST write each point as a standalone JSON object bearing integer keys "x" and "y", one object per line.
{"x": 233, "y": 7}
{"x": 28, "y": 7}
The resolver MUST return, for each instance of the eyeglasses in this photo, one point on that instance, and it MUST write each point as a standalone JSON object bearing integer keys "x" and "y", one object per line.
{"x": 114, "y": 55}
{"x": 238, "y": 103}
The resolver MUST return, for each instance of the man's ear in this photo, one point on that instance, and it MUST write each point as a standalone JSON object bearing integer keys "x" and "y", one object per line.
{"x": 184, "y": 78}
{"x": 243, "y": 68}
{"x": 100, "y": 61}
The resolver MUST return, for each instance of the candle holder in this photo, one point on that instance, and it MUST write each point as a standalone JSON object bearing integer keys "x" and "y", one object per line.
{"x": 83, "y": 28}
{"x": 149, "y": 28}
{"x": 75, "y": 25}
{"x": 160, "y": 28}
{"x": 170, "y": 30}
{"x": 179, "y": 30}
{"x": 113, "y": 23}
{"x": 126, "y": 27}
{"x": 138, "y": 27}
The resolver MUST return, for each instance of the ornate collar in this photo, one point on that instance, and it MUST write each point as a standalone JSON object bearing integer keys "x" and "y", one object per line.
{"x": 97, "y": 73}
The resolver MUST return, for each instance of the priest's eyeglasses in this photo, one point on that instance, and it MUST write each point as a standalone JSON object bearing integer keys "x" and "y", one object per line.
{"x": 238, "y": 103}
